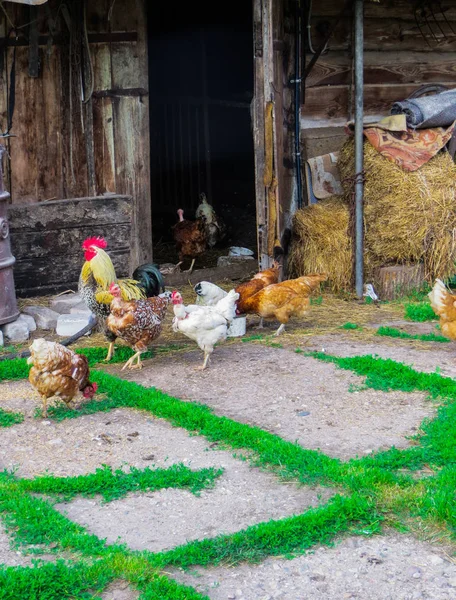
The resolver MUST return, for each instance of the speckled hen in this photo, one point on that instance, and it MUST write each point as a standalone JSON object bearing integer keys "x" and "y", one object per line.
{"x": 58, "y": 371}
{"x": 137, "y": 322}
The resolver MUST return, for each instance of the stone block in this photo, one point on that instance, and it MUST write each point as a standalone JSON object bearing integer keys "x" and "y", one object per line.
{"x": 16, "y": 332}
{"x": 45, "y": 318}
{"x": 68, "y": 325}
{"x": 64, "y": 304}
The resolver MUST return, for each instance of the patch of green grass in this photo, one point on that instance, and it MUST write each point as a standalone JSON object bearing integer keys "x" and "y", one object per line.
{"x": 253, "y": 338}
{"x": 397, "y": 333}
{"x": 9, "y": 418}
{"x": 289, "y": 536}
{"x": 116, "y": 484}
{"x": 53, "y": 581}
{"x": 316, "y": 301}
{"x": 349, "y": 326}
{"x": 375, "y": 488}
{"x": 438, "y": 436}
{"x": 419, "y": 312}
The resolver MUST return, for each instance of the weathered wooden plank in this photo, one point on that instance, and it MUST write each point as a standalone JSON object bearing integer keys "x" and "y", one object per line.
{"x": 386, "y": 9}
{"x": 46, "y": 239}
{"x": 385, "y": 67}
{"x": 66, "y": 214}
{"x": 331, "y": 102}
{"x": 35, "y": 152}
{"x": 39, "y": 276}
{"x": 37, "y": 244}
{"x": 74, "y": 155}
{"x": 103, "y": 140}
{"x": 132, "y": 141}
{"x": 385, "y": 34}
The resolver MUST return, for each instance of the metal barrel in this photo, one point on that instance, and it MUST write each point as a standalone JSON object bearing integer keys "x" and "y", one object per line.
{"x": 8, "y": 304}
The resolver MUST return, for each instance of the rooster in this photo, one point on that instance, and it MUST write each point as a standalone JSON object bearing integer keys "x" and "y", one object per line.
{"x": 283, "y": 300}
{"x": 214, "y": 226}
{"x": 206, "y": 325}
{"x": 58, "y": 371}
{"x": 190, "y": 238}
{"x": 98, "y": 274}
{"x": 137, "y": 322}
{"x": 443, "y": 303}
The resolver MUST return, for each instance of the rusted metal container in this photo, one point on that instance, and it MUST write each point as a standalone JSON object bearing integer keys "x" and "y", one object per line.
{"x": 8, "y": 304}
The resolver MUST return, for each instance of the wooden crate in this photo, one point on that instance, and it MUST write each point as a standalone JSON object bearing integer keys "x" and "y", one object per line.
{"x": 46, "y": 240}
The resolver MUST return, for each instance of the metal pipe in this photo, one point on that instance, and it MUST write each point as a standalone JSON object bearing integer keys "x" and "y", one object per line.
{"x": 297, "y": 101}
{"x": 359, "y": 154}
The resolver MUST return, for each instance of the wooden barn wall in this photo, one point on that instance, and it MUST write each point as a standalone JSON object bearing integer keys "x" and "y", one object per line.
{"x": 398, "y": 59}
{"x": 64, "y": 147}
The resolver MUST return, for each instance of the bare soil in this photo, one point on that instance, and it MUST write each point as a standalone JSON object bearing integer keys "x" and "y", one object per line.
{"x": 289, "y": 394}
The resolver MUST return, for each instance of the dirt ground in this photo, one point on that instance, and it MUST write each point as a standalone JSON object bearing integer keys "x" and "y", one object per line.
{"x": 289, "y": 394}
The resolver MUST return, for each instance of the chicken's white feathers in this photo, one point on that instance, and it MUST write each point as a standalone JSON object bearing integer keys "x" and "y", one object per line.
{"x": 208, "y": 294}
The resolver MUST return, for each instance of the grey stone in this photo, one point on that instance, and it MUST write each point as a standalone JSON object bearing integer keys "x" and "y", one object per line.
{"x": 45, "y": 317}
{"x": 64, "y": 304}
{"x": 29, "y": 321}
{"x": 16, "y": 332}
{"x": 80, "y": 308}
{"x": 68, "y": 325}
{"x": 226, "y": 261}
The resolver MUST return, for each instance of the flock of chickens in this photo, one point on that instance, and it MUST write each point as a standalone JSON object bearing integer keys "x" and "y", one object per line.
{"x": 134, "y": 309}
{"x": 193, "y": 237}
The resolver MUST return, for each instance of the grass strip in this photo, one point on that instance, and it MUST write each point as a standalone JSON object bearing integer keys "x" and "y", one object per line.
{"x": 349, "y": 326}
{"x": 112, "y": 485}
{"x": 9, "y": 418}
{"x": 17, "y": 368}
{"x": 289, "y": 458}
{"x": 419, "y": 312}
{"x": 437, "y": 439}
{"x": 53, "y": 581}
{"x": 397, "y": 333}
{"x": 289, "y": 536}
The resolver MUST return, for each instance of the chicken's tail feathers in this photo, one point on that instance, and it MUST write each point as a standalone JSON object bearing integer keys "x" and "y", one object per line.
{"x": 439, "y": 296}
{"x": 314, "y": 279}
{"x": 150, "y": 279}
{"x": 227, "y": 305}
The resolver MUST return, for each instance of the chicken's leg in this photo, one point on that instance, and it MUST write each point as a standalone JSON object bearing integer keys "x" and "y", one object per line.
{"x": 260, "y": 324}
{"x": 207, "y": 356}
{"x": 45, "y": 401}
{"x": 129, "y": 364}
{"x": 191, "y": 266}
{"x": 110, "y": 352}
{"x": 280, "y": 330}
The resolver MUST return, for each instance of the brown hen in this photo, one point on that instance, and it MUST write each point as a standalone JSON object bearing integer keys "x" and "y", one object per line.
{"x": 257, "y": 283}
{"x": 137, "y": 322}
{"x": 443, "y": 303}
{"x": 284, "y": 300}
{"x": 190, "y": 238}
{"x": 58, "y": 371}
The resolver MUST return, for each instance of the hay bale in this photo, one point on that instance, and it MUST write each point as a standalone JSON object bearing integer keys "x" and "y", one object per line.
{"x": 409, "y": 217}
{"x": 321, "y": 243}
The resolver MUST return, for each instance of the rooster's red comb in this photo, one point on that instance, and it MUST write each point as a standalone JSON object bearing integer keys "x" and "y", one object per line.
{"x": 99, "y": 242}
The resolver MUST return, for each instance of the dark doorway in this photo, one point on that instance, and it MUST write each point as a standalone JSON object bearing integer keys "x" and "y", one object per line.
{"x": 201, "y": 88}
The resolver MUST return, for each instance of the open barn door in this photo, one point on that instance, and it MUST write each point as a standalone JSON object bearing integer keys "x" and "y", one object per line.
{"x": 272, "y": 105}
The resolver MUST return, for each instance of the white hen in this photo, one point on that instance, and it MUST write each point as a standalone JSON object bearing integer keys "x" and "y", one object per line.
{"x": 208, "y": 293}
{"x": 206, "y": 325}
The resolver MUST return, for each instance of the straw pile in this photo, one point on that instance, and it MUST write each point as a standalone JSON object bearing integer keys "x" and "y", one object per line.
{"x": 321, "y": 243}
{"x": 409, "y": 218}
